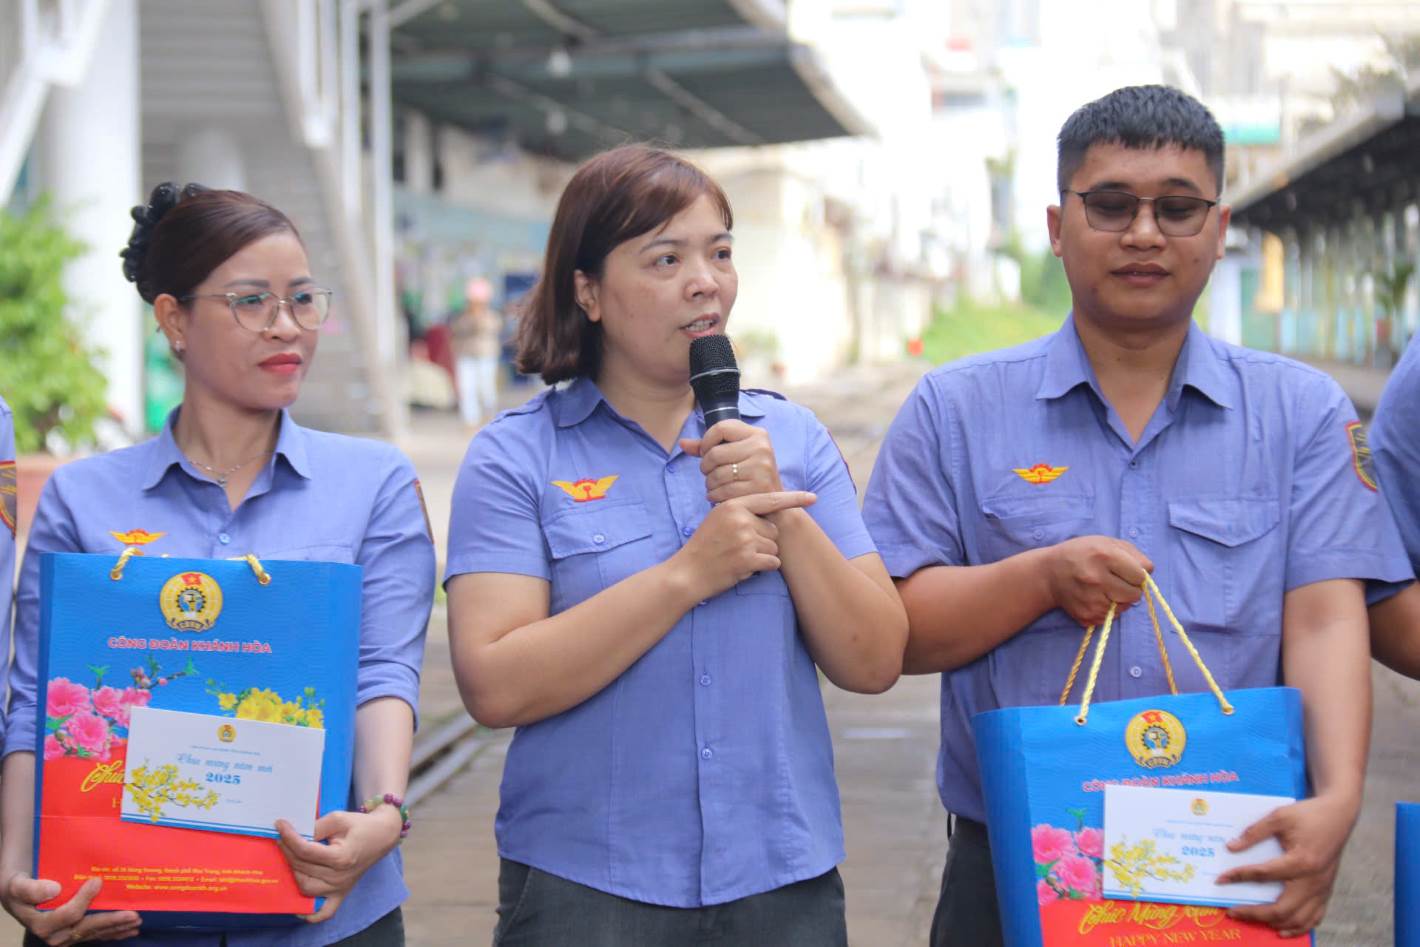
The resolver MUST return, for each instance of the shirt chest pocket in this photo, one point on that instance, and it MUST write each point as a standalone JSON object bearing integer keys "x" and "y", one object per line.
{"x": 592, "y": 549}
{"x": 1014, "y": 524}
{"x": 1231, "y": 561}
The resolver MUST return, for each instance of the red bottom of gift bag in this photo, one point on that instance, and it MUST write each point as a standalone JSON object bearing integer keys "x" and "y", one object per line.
{"x": 1146, "y": 924}
{"x": 150, "y": 867}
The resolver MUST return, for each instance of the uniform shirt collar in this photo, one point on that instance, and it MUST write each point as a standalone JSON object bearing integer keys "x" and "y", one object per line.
{"x": 165, "y": 454}
{"x": 580, "y": 398}
{"x": 1199, "y": 366}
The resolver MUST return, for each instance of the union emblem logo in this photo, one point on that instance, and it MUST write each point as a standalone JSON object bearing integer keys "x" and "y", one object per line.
{"x": 136, "y": 537}
{"x": 586, "y": 489}
{"x": 1039, "y": 473}
{"x": 191, "y": 601}
{"x": 1199, "y": 807}
{"x": 1155, "y": 739}
{"x": 227, "y": 733}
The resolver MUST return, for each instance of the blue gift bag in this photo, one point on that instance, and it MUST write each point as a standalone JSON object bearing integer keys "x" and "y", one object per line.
{"x": 1043, "y": 774}
{"x": 235, "y": 640}
{"x": 1407, "y": 874}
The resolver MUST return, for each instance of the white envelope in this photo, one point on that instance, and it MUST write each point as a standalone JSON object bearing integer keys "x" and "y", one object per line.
{"x": 1171, "y": 845}
{"x": 221, "y": 774}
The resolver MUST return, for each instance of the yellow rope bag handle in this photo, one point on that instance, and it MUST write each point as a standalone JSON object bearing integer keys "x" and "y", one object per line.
{"x": 1151, "y": 592}
{"x": 116, "y": 573}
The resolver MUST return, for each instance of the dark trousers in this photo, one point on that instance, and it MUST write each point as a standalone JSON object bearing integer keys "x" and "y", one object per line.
{"x": 536, "y": 909}
{"x": 388, "y": 931}
{"x": 967, "y": 913}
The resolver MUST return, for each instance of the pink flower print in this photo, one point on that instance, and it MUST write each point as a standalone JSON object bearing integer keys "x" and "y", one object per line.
{"x": 64, "y": 697}
{"x": 135, "y": 697}
{"x": 1076, "y": 874}
{"x": 88, "y": 731}
{"x": 109, "y": 702}
{"x": 1045, "y": 894}
{"x": 53, "y": 749}
{"x": 1089, "y": 841}
{"x": 1050, "y": 844}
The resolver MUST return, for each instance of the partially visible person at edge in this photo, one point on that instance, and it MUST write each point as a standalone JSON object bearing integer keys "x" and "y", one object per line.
{"x": 9, "y": 512}
{"x": 1395, "y": 449}
{"x": 229, "y": 281}
{"x": 648, "y": 601}
{"x": 1019, "y": 493}
{"x": 477, "y": 335}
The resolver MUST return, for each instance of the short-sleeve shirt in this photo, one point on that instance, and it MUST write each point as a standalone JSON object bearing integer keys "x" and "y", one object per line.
{"x": 9, "y": 503}
{"x": 704, "y": 773}
{"x": 1395, "y": 447}
{"x": 1243, "y": 486}
{"x": 323, "y": 497}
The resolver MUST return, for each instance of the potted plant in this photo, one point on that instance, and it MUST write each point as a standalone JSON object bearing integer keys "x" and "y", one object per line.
{"x": 48, "y": 373}
{"x": 1391, "y": 286}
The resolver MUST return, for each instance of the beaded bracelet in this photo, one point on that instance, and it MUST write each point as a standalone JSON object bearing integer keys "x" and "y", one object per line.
{"x": 389, "y": 798}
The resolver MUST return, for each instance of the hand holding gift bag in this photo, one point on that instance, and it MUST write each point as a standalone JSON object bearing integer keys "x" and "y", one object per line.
{"x": 1044, "y": 771}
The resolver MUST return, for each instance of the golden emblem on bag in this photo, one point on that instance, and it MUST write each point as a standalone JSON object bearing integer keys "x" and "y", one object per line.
{"x": 191, "y": 601}
{"x": 1155, "y": 739}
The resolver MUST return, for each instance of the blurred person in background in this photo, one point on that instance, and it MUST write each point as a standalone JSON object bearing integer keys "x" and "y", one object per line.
{"x": 477, "y": 341}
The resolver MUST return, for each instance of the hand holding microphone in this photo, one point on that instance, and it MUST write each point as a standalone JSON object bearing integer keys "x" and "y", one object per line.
{"x": 736, "y": 458}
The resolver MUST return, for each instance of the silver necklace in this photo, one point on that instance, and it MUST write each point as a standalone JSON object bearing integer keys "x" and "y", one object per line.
{"x": 221, "y": 475}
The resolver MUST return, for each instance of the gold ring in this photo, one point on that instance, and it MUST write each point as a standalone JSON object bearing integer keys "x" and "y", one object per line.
{"x": 734, "y": 471}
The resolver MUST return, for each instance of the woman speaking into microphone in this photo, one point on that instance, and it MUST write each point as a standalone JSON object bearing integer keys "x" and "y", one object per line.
{"x": 647, "y": 601}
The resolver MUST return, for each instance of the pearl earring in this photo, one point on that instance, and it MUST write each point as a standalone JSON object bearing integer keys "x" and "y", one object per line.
{"x": 179, "y": 345}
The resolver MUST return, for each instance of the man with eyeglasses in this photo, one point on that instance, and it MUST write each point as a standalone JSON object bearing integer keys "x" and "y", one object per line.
{"x": 1019, "y": 493}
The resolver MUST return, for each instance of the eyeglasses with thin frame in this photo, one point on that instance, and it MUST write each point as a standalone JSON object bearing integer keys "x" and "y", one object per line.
{"x": 257, "y": 312}
{"x": 1176, "y": 215}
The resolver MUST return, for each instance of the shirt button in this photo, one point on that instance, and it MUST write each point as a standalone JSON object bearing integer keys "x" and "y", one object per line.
{"x": 599, "y": 539}
{"x": 223, "y": 538}
{"x": 1038, "y": 534}
{"x": 687, "y": 531}
{"x": 706, "y": 753}
{"x": 1134, "y": 465}
{"x": 1136, "y": 671}
{"x": 705, "y": 680}
{"x": 1133, "y": 531}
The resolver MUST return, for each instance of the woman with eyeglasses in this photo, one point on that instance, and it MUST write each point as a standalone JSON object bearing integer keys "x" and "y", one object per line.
{"x": 229, "y": 282}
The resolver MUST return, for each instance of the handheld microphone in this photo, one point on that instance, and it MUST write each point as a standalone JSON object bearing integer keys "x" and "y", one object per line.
{"x": 715, "y": 378}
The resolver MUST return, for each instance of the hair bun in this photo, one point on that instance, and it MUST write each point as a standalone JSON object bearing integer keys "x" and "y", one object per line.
{"x": 164, "y": 198}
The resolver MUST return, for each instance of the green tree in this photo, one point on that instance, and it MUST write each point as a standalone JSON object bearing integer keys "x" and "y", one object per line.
{"x": 47, "y": 372}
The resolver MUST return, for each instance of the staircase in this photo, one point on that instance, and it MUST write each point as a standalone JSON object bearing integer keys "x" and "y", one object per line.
{"x": 246, "y": 69}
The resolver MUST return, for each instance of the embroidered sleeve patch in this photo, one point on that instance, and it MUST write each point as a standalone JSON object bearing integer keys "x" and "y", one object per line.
{"x": 1361, "y": 455}
{"x": 9, "y": 498}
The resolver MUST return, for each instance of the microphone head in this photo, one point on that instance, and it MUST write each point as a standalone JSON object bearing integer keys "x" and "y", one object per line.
{"x": 714, "y": 374}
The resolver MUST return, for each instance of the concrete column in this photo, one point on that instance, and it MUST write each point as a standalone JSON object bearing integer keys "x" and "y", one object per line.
{"x": 211, "y": 156}
{"x": 418, "y": 153}
{"x": 90, "y": 163}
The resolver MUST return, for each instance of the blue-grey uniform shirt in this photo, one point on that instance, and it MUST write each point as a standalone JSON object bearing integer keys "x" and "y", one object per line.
{"x": 323, "y": 497}
{"x": 1395, "y": 446}
{"x": 1244, "y": 485}
{"x": 704, "y": 773}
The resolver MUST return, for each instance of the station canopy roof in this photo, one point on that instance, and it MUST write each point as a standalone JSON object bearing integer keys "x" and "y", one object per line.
{"x": 1365, "y": 162}
{"x": 567, "y": 78}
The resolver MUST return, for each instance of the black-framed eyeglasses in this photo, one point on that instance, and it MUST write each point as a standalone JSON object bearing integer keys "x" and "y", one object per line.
{"x": 1176, "y": 215}
{"x": 257, "y": 312}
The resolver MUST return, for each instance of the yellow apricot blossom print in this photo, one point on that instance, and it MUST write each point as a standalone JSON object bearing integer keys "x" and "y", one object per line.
{"x": 152, "y": 788}
{"x": 265, "y": 704}
{"x": 1132, "y": 864}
